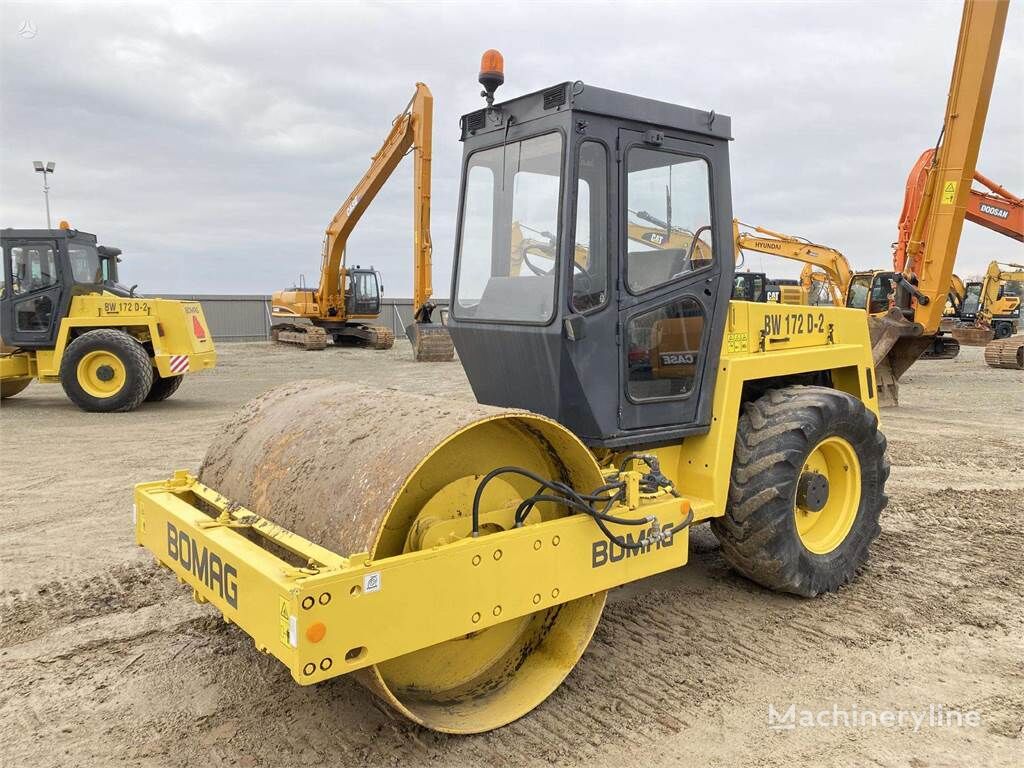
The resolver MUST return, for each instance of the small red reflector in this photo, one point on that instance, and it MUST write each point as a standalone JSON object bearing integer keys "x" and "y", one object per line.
{"x": 197, "y": 328}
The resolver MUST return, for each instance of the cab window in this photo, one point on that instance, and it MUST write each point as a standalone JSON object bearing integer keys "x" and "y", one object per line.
{"x": 590, "y": 256}
{"x": 33, "y": 268}
{"x": 668, "y": 217}
{"x": 508, "y": 254}
{"x": 664, "y": 351}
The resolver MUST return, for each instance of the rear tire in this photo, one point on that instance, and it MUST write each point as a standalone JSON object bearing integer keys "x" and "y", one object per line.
{"x": 12, "y": 387}
{"x": 106, "y": 371}
{"x": 787, "y": 441}
{"x": 1002, "y": 330}
{"x": 163, "y": 388}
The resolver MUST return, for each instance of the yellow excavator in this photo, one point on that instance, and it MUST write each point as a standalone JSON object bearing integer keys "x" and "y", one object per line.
{"x": 458, "y": 562}
{"x": 347, "y": 297}
{"x": 939, "y": 200}
{"x": 990, "y": 315}
{"x": 824, "y": 266}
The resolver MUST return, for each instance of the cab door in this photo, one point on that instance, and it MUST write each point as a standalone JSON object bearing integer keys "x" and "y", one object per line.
{"x": 365, "y": 301}
{"x": 672, "y": 300}
{"x": 32, "y": 293}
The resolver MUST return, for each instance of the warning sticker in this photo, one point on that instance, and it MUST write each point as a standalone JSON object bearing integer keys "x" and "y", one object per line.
{"x": 737, "y": 342}
{"x": 284, "y": 622}
{"x": 371, "y": 582}
{"x": 949, "y": 193}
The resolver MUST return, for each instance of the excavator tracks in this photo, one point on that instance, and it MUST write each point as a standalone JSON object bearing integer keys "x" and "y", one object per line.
{"x": 309, "y": 337}
{"x": 1006, "y": 353}
{"x": 380, "y": 337}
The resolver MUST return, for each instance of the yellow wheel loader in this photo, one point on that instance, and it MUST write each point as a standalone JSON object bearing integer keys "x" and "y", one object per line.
{"x": 65, "y": 318}
{"x": 458, "y": 561}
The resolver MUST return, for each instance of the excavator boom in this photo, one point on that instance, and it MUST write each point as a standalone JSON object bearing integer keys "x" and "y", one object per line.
{"x": 828, "y": 260}
{"x": 328, "y": 305}
{"x": 930, "y": 229}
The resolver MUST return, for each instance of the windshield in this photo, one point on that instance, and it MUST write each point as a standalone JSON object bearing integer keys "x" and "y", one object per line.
{"x": 85, "y": 263}
{"x": 508, "y": 253}
{"x": 972, "y": 299}
{"x": 857, "y": 296}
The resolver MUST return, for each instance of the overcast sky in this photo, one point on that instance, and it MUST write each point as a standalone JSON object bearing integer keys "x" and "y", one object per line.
{"x": 212, "y": 143}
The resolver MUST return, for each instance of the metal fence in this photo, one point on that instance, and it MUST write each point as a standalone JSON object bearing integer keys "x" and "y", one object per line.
{"x": 247, "y": 317}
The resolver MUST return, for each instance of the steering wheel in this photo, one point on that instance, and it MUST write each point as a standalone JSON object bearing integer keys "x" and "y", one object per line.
{"x": 687, "y": 260}
{"x": 546, "y": 251}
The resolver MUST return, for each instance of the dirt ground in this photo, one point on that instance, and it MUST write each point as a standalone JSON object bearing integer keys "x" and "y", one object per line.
{"x": 106, "y": 660}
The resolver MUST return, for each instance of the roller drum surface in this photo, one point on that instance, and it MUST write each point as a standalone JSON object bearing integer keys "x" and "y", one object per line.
{"x": 359, "y": 470}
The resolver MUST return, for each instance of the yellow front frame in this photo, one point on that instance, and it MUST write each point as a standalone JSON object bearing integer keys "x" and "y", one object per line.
{"x": 172, "y": 327}
{"x": 377, "y": 610}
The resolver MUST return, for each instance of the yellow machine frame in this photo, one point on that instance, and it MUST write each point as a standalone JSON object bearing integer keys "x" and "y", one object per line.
{"x": 289, "y": 594}
{"x": 166, "y": 323}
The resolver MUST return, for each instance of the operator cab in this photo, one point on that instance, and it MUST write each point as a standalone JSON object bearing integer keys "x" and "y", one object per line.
{"x": 871, "y": 291}
{"x": 755, "y": 286}
{"x": 971, "y": 304}
{"x": 362, "y": 292}
{"x": 594, "y": 260}
{"x": 43, "y": 270}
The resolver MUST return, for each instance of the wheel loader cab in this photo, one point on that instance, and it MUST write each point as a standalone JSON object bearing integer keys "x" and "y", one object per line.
{"x": 43, "y": 270}
{"x": 555, "y": 309}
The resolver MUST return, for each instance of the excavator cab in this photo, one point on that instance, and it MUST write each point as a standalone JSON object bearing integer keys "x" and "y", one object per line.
{"x": 753, "y": 286}
{"x": 362, "y": 292}
{"x": 971, "y": 303}
{"x": 871, "y": 291}
{"x": 622, "y": 345}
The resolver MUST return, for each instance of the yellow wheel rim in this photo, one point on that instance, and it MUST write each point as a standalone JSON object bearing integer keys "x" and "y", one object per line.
{"x": 825, "y": 513}
{"x": 101, "y": 374}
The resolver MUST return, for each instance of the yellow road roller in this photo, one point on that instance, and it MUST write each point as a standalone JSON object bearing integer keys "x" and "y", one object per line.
{"x": 455, "y": 557}
{"x": 65, "y": 318}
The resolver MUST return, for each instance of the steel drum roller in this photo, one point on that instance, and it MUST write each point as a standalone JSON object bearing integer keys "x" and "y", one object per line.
{"x": 360, "y": 470}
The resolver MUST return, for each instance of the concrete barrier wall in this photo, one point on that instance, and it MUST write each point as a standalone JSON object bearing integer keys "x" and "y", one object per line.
{"x": 247, "y": 317}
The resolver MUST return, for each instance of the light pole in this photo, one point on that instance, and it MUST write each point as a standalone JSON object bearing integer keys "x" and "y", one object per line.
{"x": 45, "y": 169}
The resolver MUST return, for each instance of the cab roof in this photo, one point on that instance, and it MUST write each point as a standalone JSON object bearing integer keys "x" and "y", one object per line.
{"x": 45, "y": 234}
{"x": 579, "y": 97}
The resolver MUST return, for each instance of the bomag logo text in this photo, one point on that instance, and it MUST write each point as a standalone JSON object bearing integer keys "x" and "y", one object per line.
{"x": 218, "y": 576}
{"x": 991, "y": 210}
{"x": 604, "y": 551}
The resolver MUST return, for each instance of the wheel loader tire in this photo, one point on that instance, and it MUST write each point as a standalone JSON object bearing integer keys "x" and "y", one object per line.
{"x": 807, "y": 489}
{"x": 1002, "y": 330}
{"x": 163, "y": 388}
{"x": 12, "y": 387}
{"x": 106, "y": 371}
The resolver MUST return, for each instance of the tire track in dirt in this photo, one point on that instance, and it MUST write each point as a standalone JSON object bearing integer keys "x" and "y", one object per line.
{"x": 659, "y": 661}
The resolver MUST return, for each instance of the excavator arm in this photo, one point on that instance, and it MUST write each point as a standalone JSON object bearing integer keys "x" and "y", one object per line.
{"x": 411, "y": 129}
{"x": 828, "y": 260}
{"x": 998, "y": 210}
{"x": 930, "y": 228}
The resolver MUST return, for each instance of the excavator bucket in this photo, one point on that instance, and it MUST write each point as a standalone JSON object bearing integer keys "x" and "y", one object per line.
{"x": 973, "y": 336}
{"x": 431, "y": 342}
{"x": 896, "y": 344}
